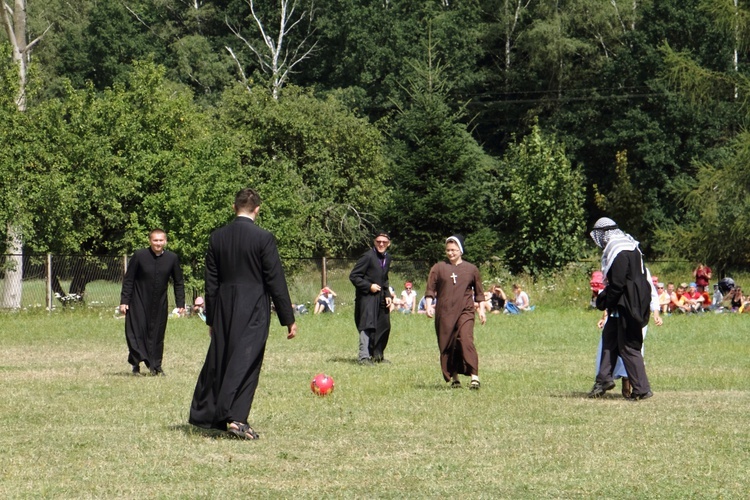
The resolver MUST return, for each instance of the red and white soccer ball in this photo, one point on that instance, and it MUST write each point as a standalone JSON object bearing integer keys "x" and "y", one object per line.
{"x": 322, "y": 384}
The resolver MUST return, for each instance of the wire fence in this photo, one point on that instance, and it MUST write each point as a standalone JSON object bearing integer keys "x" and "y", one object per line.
{"x": 59, "y": 282}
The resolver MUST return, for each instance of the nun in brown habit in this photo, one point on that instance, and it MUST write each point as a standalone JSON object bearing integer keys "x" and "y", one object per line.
{"x": 456, "y": 285}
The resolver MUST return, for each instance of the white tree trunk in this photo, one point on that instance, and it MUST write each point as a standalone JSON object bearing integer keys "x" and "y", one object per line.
{"x": 14, "y": 22}
{"x": 276, "y": 59}
{"x": 10, "y": 297}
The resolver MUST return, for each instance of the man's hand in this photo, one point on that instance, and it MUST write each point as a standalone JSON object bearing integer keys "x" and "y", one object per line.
{"x": 430, "y": 311}
{"x": 482, "y": 315}
{"x": 123, "y": 308}
{"x": 375, "y": 288}
{"x": 657, "y": 319}
{"x": 292, "y": 331}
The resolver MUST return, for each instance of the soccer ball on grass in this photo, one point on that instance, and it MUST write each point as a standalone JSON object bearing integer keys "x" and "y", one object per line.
{"x": 321, "y": 384}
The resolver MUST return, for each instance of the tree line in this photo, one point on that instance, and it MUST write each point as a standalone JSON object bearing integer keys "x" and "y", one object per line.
{"x": 515, "y": 122}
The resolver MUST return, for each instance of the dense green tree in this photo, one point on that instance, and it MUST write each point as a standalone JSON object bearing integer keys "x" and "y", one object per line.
{"x": 544, "y": 195}
{"x": 442, "y": 182}
{"x": 325, "y": 164}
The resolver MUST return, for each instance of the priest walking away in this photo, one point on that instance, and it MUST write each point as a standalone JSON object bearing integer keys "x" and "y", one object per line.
{"x": 456, "y": 284}
{"x": 243, "y": 275}
{"x": 143, "y": 300}
{"x": 627, "y": 300}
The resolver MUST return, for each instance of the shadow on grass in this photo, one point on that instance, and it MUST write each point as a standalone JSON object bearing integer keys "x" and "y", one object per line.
{"x": 192, "y": 430}
{"x": 342, "y": 359}
{"x": 585, "y": 395}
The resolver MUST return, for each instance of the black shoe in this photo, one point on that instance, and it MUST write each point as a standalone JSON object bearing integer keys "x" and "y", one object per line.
{"x": 598, "y": 390}
{"x": 136, "y": 370}
{"x": 157, "y": 372}
{"x": 638, "y": 397}
{"x": 383, "y": 361}
{"x": 455, "y": 384}
{"x": 365, "y": 362}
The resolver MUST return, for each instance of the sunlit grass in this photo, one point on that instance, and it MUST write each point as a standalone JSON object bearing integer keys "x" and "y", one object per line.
{"x": 76, "y": 425}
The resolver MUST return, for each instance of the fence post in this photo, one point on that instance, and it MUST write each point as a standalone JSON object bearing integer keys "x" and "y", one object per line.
{"x": 49, "y": 282}
{"x": 324, "y": 274}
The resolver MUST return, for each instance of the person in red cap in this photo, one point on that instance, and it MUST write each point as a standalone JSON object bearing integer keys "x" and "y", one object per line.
{"x": 408, "y": 299}
{"x": 325, "y": 301}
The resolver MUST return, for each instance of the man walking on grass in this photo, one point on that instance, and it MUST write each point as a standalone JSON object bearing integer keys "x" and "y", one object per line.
{"x": 143, "y": 300}
{"x": 627, "y": 300}
{"x": 373, "y": 300}
{"x": 243, "y": 275}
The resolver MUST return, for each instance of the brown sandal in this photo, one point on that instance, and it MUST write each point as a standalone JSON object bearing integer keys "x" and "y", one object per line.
{"x": 242, "y": 431}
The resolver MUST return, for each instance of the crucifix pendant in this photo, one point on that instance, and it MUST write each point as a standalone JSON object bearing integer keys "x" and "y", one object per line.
{"x": 454, "y": 277}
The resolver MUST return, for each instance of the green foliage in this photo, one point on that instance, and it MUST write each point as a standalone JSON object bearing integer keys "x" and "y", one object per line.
{"x": 624, "y": 203}
{"x": 441, "y": 182}
{"x": 321, "y": 168}
{"x": 544, "y": 205}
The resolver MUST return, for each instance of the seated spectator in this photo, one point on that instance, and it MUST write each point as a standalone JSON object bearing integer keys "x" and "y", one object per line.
{"x": 497, "y": 300}
{"x": 693, "y": 298}
{"x": 408, "y": 299}
{"x": 199, "y": 307}
{"x": 677, "y": 303}
{"x": 299, "y": 309}
{"x": 736, "y": 299}
{"x": 422, "y": 307}
{"x": 395, "y": 300}
{"x": 717, "y": 300}
{"x": 663, "y": 297}
{"x": 325, "y": 302}
{"x": 521, "y": 300}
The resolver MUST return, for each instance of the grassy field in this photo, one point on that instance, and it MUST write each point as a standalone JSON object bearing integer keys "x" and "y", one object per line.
{"x": 75, "y": 424}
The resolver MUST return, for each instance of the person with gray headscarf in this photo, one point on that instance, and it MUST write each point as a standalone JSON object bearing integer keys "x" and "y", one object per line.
{"x": 627, "y": 299}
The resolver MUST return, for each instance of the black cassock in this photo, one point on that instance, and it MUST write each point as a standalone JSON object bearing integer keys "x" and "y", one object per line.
{"x": 144, "y": 290}
{"x": 370, "y": 311}
{"x": 243, "y": 271}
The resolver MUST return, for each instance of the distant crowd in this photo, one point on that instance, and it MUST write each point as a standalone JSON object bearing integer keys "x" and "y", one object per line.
{"x": 693, "y": 297}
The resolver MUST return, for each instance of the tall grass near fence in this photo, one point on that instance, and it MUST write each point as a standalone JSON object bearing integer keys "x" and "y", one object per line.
{"x": 75, "y": 424}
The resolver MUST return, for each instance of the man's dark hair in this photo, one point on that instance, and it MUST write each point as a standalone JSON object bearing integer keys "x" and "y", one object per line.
{"x": 156, "y": 230}
{"x": 246, "y": 200}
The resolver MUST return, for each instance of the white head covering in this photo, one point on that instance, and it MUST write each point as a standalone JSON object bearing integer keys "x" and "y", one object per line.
{"x": 457, "y": 240}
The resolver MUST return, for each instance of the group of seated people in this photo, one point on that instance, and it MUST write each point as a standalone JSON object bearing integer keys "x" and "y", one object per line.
{"x": 496, "y": 301}
{"x": 686, "y": 298}
{"x": 693, "y": 298}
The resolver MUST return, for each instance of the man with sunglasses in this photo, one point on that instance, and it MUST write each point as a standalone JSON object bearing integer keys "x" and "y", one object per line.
{"x": 372, "y": 300}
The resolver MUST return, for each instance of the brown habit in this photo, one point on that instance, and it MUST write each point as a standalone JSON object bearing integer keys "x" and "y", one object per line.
{"x": 454, "y": 287}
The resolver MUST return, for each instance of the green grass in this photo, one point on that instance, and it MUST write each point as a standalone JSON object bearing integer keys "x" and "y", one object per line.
{"x": 76, "y": 425}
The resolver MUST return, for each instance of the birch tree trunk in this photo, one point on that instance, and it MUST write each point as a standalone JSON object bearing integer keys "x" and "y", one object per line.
{"x": 14, "y": 22}
{"x": 274, "y": 56}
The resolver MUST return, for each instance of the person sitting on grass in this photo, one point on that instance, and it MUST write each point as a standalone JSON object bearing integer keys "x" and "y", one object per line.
{"x": 693, "y": 298}
{"x": 677, "y": 304}
{"x": 325, "y": 301}
{"x": 521, "y": 299}
{"x": 408, "y": 299}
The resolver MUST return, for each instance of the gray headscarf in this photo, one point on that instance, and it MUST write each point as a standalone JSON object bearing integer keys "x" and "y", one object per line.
{"x": 613, "y": 240}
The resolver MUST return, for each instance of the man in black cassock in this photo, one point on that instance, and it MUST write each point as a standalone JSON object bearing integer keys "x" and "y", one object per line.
{"x": 243, "y": 270}
{"x": 143, "y": 300}
{"x": 372, "y": 300}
